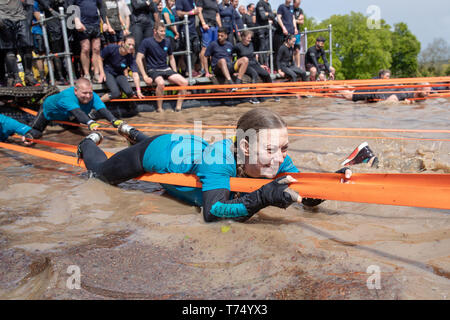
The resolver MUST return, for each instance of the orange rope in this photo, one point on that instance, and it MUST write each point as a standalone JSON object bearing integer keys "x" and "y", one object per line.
{"x": 419, "y": 190}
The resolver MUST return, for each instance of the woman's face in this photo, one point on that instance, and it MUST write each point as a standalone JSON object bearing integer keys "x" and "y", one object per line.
{"x": 246, "y": 40}
{"x": 129, "y": 45}
{"x": 264, "y": 156}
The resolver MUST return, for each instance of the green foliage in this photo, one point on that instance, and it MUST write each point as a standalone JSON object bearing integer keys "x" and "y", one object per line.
{"x": 404, "y": 52}
{"x": 434, "y": 60}
{"x": 359, "y": 52}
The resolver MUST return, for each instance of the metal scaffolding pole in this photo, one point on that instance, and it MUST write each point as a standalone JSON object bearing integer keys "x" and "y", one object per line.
{"x": 67, "y": 54}
{"x": 47, "y": 49}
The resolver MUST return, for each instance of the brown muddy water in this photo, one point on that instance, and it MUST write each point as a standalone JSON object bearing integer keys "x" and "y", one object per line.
{"x": 134, "y": 242}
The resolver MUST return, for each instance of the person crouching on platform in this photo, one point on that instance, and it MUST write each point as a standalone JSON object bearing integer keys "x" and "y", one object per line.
{"x": 155, "y": 51}
{"x": 220, "y": 52}
{"x": 73, "y": 104}
{"x": 116, "y": 59}
{"x": 285, "y": 60}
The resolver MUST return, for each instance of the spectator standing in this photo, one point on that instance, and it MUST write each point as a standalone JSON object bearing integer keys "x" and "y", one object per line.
{"x": 286, "y": 24}
{"x": 143, "y": 16}
{"x": 299, "y": 20}
{"x": 88, "y": 27}
{"x": 264, "y": 15}
{"x": 209, "y": 23}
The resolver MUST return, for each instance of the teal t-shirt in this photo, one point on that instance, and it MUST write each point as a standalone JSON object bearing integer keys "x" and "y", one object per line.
{"x": 58, "y": 106}
{"x": 9, "y": 126}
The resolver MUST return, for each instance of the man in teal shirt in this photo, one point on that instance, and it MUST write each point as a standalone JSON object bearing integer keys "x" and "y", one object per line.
{"x": 73, "y": 103}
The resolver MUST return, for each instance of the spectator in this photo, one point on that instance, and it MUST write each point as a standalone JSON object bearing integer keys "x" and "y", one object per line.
{"x": 242, "y": 10}
{"x": 238, "y": 24}
{"x": 220, "y": 52}
{"x": 155, "y": 51}
{"x": 38, "y": 41}
{"x": 311, "y": 60}
{"x": 172, "y": 31}
{"x": 227, "y": 16}
{"x": 72, "y": 103}
{"x": 159, "y": 8}
{"x": 248, "y": 17}
{"x": 116, "y": 24}
{"x": 300, "y": 20}
{"x": 143, "y": 16}
{"x": 15, "y": 36}
{"x": 116, "y": 61}
{"x": 88, "y": 27}
{"x": 286, "y": 24}
{"x": 125, "y": 13}
{"x": 254, "y": 69}
{"x": 264, "y": 15}
{"x": 209, "y": 23}
{"x": 285, "y": 61}
{"x": 187, "y": 7}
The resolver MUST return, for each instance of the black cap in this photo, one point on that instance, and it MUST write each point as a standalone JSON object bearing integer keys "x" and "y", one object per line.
{"x": 320, "y": 39}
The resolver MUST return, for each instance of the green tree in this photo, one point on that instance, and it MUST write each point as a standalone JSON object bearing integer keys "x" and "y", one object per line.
{"x": 361, "y": 51}
{"x": 433, "y": 59}
{"x": 404, "y": 52}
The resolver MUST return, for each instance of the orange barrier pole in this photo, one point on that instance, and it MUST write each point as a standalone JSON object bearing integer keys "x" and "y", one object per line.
{"x": 418, "y": 190}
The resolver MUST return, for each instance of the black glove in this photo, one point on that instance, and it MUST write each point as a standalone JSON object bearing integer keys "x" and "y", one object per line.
{"x": 275, "y": 193}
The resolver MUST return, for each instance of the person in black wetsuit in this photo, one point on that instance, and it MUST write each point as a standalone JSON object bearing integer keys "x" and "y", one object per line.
{"x": 299, "y": 20}
{"x": 312, "y": 60}
{"x": 143, "y": 16}
{"x": 254, "y": 69}
{"x": 387, "y": 94}
{"x": 263, "y": 14}
{"x": 285, "y": 61}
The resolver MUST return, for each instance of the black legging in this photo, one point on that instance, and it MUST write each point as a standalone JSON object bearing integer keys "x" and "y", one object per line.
{"x": 293, "y": 72}
{"x": 254, "y": 70}
{"x": 122, "y": 166}
{"x": 115, "y": 83}
{"x": 140, "y": 31}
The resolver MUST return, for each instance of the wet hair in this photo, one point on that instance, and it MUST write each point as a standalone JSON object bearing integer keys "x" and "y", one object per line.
{"x": 382, "y": 72}
{"x": 289, "y": 37}
{"x": 82, "y": 82}
{"x": 246, "y": 33}
{"x": 158, "y": 25}
{"x": 222, "y": 30}
{"x": 256, "y": 119}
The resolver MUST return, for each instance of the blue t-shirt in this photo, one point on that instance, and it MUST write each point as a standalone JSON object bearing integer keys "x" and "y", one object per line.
{"x": 37, "y": 28}
{"x": 155, "y": 53}
{"x": 58, "y": 106}
{"x": 114, "y": 63}
{"x": 187, "y": 5}
{"x": 9, "y": 126}
{"x": 214, "y": 164}
{"x": 217, "y": 51}
{"x": 287, "y": 16}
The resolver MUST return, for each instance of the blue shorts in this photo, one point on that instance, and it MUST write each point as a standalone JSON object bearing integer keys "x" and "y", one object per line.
{"x": 208, "y": 36}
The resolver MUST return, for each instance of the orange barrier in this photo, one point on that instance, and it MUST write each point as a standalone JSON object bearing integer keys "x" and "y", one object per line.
{"x": 418, "y": 190}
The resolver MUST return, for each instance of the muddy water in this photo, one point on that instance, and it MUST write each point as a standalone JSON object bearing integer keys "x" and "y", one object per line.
{"x": 134, "y": 242}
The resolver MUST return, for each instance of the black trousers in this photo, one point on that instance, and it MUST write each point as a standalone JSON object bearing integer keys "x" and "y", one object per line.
{"x": 254, "y": 70}
{"x": 116, "y": 83}
{"x": 141, "y": 31}
{"x": 122, "y": 166}
{"x": 263, "y": 41}
{"x": 294, "y": 72}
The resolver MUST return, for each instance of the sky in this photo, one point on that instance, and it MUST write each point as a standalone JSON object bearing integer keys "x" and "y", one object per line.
{"x": 425, "y": 19}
